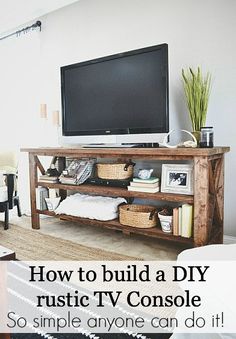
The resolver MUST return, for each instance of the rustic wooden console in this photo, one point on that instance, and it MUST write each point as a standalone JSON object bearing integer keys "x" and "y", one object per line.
{"x": 208, "y": 197}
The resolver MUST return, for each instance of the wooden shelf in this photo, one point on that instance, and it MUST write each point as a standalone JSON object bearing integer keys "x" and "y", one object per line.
{"x": 121, "y": 192}
{"x": 154, "y": 232}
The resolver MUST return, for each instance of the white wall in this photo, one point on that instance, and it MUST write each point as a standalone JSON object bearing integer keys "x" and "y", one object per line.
{"x": 198, "y": 33}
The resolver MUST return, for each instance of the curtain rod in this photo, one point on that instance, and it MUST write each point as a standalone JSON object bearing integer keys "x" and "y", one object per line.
{"x": 37, "y": 24}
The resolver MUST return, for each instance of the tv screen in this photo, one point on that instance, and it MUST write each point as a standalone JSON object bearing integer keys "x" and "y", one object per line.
{"x": 126, "y": 93}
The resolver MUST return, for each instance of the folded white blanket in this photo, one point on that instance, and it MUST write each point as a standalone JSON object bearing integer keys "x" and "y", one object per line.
{"x": 92, "y": 207}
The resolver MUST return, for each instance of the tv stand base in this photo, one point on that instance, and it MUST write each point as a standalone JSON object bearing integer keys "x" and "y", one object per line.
{"x": 208, "y": 197}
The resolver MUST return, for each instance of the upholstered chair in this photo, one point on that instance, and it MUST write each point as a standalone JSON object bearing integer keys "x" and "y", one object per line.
{"x": 8, "y": 184}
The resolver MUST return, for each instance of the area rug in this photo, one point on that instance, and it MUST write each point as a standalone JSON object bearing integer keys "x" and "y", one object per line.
{"x": 33, "y": 245}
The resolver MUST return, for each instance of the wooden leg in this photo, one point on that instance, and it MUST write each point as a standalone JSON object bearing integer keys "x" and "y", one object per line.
{"x": 33, "y": 184}
{"x": 61, "y": 167}
{"x": 217, "y": 192}
{"x": 219, "y": 185}
{"x": 201, "y": 195}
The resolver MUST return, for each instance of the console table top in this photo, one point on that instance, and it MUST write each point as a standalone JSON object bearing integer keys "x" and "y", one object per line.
{"x": 126, "y": 152}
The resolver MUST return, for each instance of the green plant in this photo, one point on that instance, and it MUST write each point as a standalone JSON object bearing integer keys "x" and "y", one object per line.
{"x": 197, "y": 91}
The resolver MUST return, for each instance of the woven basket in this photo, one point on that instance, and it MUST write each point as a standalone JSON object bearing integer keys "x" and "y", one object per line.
{"x": 141, "y": 216}
{"x": 115, "y": 171}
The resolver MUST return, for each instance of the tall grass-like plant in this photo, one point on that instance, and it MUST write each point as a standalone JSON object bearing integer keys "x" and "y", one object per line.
{"x": 197, "y": 91}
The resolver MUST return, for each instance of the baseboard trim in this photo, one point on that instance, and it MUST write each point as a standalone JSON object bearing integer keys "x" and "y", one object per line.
{"x": 228, "y": 239}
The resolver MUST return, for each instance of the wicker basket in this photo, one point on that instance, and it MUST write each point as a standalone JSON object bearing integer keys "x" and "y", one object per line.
{"x": 115, "y": 171}
{"x": 141, "y": 216}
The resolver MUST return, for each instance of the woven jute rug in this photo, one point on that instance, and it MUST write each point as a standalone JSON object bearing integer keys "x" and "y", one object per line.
{"x": 33, "y": 245}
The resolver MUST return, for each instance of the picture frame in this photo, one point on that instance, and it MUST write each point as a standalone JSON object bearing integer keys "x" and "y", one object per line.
{"x": 177, "y": 178}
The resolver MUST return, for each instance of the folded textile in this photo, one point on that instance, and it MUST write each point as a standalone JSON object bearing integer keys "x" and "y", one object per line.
{"x": 92, "y": 207}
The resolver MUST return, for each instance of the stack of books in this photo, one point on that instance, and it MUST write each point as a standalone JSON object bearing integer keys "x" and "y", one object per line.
{"x": 67, "y": 180}
{"x": 48, "y": 179}
{"x": 151, "y": 185}
{"x": 183, "y": 221}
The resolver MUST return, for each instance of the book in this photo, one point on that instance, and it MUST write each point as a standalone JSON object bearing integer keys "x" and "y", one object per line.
{"x": 144, "y": 189}
{"x": 41, "y": 194}
{"x": 180, "y": 220}
{"x": 151, "y": 180}
{"x": 52, "y": 193}
{"x": 49, "y": 181}
{"x": 67, "y": 181}
{"x": 176, "y": 221}
{"x": 187, "y": 220}
{"x": 144, "y": 184}
{"x": 46, "y": 178}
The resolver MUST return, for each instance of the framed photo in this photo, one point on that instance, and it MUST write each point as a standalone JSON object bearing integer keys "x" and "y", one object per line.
{"x": 177, "y": 178}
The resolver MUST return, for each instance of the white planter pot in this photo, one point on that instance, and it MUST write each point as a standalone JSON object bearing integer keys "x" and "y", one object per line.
{"x": 166, "y": 222}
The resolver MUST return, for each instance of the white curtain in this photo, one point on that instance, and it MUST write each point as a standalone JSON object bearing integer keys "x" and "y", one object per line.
{"x": 20, "y": 100}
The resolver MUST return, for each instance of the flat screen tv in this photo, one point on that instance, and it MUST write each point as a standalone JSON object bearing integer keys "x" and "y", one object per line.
{"x": 121, "y": 98}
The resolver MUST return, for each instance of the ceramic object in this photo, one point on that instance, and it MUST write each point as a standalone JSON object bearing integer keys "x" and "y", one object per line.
{"x": 189, "y": 143}
{"x": 166, "y": 222}
{"x": 145, "y": 174}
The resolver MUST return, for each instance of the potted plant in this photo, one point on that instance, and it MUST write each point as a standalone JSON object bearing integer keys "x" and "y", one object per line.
{"x": 197, "y": 91}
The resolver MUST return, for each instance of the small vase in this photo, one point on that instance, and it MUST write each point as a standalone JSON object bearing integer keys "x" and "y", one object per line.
{"x": 166, "y": 221}
{"x": 197, "y": 135}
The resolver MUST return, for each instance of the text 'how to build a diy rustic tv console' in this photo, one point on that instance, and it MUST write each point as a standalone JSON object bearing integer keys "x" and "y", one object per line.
{"x": 207, "y": 199}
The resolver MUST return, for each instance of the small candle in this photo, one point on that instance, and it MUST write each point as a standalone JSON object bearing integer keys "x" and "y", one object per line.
{"x": 43, "y": 111}
{"x": 55, "y": 118}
